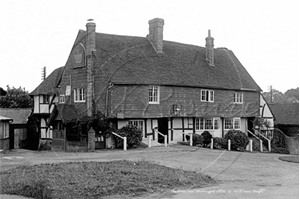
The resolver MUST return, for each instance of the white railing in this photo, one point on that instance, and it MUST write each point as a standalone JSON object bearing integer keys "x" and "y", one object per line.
{"x": 159, "y": 133}
{"x": 124, "y": 141}
{"x": 260, "y": 143}
{"x": 268, "y": 140}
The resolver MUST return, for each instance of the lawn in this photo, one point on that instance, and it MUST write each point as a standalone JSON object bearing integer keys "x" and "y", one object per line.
{"x": 96, "y": 179}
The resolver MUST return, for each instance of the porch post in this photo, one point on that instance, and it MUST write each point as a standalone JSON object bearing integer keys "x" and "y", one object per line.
{"x": 251, "y": 145}
{"x": 149, "y": 141}
{"x": 261, "y": 146}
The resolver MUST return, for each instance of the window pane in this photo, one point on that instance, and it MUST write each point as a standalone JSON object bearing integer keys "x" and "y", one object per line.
{"x": 208, "y": 124}
{"x": 237, "y": 124}
{"x": 211, "y": 96}
{"x": 216, "y": 124}
{"x": 197, "y": 124}
{"x": 228, "y": 124}
{"x": 201, "y": 123}
{"x": 203, "y": 95}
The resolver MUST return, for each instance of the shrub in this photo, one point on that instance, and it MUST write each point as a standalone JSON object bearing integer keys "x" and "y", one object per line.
{"x": 239, "y": 139}
{"x": 133, "y": 134}
{"x": 197, "y": 139}
{"x": 220, "y": 143}
{"x": 207, "y": 138}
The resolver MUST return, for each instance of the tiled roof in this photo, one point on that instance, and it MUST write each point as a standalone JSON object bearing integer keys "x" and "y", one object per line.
{"x": 66, "y": 112}
{"x": 287, "y": 114}
{"x": 19, "y": 115}
{"x": 48, "y": 86}
{"x": 133, "y": 60}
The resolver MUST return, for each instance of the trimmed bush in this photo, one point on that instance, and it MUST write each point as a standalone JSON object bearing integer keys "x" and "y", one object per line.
{"x": 220, "y": 143}
{"x": 207, "y": 138}
{"x": 133, "y": 134}
{"x": 197, "y": 139}
{"x": 239, "y": 139}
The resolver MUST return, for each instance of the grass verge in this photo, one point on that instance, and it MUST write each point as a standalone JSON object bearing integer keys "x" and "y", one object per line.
{"x": 294, "y": 159}
{"x": 96, "y": 179}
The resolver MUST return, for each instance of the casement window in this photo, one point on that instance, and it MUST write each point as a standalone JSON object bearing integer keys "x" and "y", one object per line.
{"x": 232, "y": 123}
{"x": 154, "y": 94}
{"x": 62, "y": 99}
{"x": 207, "y": 123}
{"x": 45, "y": 99}
{"x": 4, "y": 130}
{"x": 207, "y": 96}
{"x": 79, "y": 95}
{"x": 138, "y": 123}
{"x": 238, "y": 98}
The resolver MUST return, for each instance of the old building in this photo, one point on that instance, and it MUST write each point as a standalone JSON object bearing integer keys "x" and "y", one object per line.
{"x": 149, "y": 82}
{"x": 4, "y": 132}
{"x": 18, "y": 127}
{"x": 287, "y": 118}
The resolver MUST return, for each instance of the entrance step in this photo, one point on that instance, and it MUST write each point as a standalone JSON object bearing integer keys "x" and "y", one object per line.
{"x": 153, "y": 142}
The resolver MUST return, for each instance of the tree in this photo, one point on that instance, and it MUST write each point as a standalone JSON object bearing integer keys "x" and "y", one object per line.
{"x": 16, "y": 98}
{"x": 293, "y": 95}
{"x": 2, "y": 92}
{"x": 290, "y": 96}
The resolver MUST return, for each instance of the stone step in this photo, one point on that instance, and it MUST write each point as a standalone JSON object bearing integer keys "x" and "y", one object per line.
{"x": 153, "y": 142}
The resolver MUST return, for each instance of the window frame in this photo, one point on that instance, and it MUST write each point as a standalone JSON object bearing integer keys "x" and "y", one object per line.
{"x": 62, "y": 96}
{"x": 207, "y": 95}
{"x": 45, "y": 99}
{"x": 154, "y": 94}
{"x": 238, "y": 98}
{"x": 201, "y": 123}
{"x": 79, "y": 95}
{"x": 233, "y": 123}
{"x": 141, "y": 127}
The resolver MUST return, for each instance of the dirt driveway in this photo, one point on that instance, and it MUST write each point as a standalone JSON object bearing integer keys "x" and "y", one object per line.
{"x": 240, "y": 175}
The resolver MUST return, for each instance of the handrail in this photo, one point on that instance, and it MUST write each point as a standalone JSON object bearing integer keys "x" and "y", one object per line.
{"x": 261, "y": 148}
{"x": 281, "y": 132}
{"x": 165, "y": 137}
{"x": 124, "y": 141}
{"x": 260, "y": 134}
{"x": 253, "y": 134}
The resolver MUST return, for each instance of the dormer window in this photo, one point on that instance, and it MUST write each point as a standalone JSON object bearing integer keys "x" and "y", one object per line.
{"x": 154, "y": 94}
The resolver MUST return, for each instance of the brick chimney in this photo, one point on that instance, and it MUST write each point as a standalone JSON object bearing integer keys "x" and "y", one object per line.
{"x": 90, "y": 47}
{"x": 156, "y": 27}
{"x": 210, "y": 49}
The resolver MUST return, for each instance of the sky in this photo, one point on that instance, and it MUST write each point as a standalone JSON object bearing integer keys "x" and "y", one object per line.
{"x": 263, "y": 34}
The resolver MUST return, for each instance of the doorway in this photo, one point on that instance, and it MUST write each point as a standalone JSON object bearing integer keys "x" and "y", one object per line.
{"x": 163, "y": 127}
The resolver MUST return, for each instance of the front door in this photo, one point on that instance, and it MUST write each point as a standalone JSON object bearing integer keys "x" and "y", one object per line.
{"x": 162, "y": 128}
{"x": 100, "y": 141}
{"x": 250, "y": 125}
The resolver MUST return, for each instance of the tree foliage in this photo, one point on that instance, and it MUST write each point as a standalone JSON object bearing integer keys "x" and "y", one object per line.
{"x": 16, "y": 98}
{"x": 290, "y": 96}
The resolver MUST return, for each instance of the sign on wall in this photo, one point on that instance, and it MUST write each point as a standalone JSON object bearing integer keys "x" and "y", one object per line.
{"x": 78, "y": 56}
